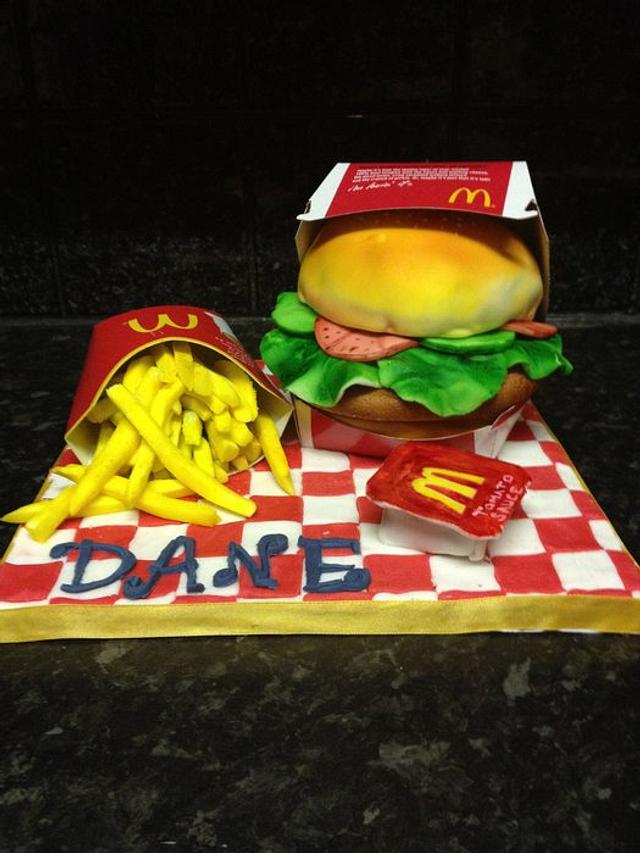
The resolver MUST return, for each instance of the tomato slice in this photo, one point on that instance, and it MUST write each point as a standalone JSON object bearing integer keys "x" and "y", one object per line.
{"x": 356, "y": 344}
{"x": 531, "y": 328}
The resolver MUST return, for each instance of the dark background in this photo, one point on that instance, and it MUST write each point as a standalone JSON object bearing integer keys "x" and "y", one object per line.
{"x": 159, "y": 152}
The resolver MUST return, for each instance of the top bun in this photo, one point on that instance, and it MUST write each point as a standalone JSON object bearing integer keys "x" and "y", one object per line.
{"x": 420, "y": 273}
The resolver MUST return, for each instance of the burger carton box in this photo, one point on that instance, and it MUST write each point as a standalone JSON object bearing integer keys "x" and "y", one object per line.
{"x": 118, "y": 339}
{"x": 501, "y": 189}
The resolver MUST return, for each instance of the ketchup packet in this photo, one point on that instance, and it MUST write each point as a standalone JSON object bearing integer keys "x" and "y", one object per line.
{"x": 442, "y": 500}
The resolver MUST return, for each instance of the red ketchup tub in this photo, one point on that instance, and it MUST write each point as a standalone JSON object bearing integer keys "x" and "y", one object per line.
{"x": 441, "y": 500}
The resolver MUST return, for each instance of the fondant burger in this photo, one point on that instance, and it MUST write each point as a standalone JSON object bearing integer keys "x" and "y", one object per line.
{"x": 416, "y": 324}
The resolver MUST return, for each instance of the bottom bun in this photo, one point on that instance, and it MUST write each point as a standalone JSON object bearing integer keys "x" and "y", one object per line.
{"x": 381, "y": 411}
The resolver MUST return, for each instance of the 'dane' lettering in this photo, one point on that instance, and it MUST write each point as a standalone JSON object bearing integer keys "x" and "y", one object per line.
{"x": 354, "y": 579}
{"x": 86, "y": 549}
{"x": 135, "y": 587}
{"x": 260, "y": 574}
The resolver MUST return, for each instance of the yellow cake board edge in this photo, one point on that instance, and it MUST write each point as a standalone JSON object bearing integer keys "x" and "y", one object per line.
{"x": 588, "y": 613}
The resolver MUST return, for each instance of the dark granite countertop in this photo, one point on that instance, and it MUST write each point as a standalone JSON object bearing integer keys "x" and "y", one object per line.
{"x": 494, "y": 742}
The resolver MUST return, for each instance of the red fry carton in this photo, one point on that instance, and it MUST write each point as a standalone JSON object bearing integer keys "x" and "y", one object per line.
{"x": 442, "y": 500}
{"x": 118, "y": 339}
{"x": 496, "y": 189}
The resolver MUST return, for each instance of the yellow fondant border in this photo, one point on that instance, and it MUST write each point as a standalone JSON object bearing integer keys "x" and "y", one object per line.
{"x": 600, "y": 614}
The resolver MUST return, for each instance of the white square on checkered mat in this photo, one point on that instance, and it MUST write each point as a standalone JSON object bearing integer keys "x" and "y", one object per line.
{"x": 148, "y": 542}
{"x": 25, "y": 550}
{"x": 226, "y": 517}
{"x": 252, "y": 533}
{"x": 605, "y": 535}
{"x": 169, "y": 598}
{"x": 323, "y": 460}
{"x": 524, "y": 453}
{"x": 96, "y": 570}
{"x": 55, "y": 484}
{"x": 361, "y": 477}
{"x": 419, "y": 595}
{"x": 458, "y": 573}
{"x": 550, "y": 503}
{"x": 587, "y": 570}
{"x": 520, "y": 536}
{"x": 264, "y": 483}
{"x": 126, "y": 518}
{"x": 327, "y": 510}
{"x": 539, "y": 430}
{"x": 370, "y": 543}
{"x": 207, "y": 567}
{"x": 569, "y": 477}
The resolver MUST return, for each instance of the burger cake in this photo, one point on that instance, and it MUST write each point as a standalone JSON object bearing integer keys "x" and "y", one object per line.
{"x": 415, "y": 324}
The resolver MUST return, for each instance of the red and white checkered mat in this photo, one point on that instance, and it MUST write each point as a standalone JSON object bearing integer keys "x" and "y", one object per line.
{"x": 558, "y": 546}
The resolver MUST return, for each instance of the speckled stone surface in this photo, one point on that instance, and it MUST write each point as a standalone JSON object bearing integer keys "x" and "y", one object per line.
{"x": 500, "y": 742}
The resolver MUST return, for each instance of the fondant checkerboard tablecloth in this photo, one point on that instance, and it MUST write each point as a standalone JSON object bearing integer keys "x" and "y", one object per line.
{"x": 559, "y": 565}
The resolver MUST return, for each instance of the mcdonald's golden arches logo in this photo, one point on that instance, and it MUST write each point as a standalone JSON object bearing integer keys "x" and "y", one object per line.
{"x": 163, "y": 320}
{"x": 434, "y": 479}
{"x": 471, "y": 195}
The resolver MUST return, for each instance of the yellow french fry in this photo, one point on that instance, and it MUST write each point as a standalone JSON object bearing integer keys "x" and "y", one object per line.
{"x": 202, "y": 381}
{"x": 158, "y": 503}
{"x": 172, "y": 488}
{"x": 193, "y": 404}
{"x": 112, "y": 458}
{"x": 253, "y": 450}
{"x": 220, "y": 472}
{"x": 102, "y": 505}
{"x": 240, "y": 433}
{"x": 208, "y": 383}
{"x": 118, "y": 450}
{"x": 160, "y": 408}
{"x": 53, "y": 513}
{"x": 184, "y": 363}
{"x": 157, "y": 466}
{"x": 269, "y": 439}
{"x": 242, "y": 382}
{"x": 222, "y": 422}
{"x": 203, "y": 458}
{"x": 102, "y": 411}
{"x": 135, "y": 371}
{"x": 104, "y": 434}
{"x": 175, "y": 430}
{"x": 240, "y": 463}
{"x": 185, "y": 450}
{"x": 165, "y": 363}
{"x": 224, "y": 450}
{"x": 216, "y": 405}
{"x": 191, "y": 428}
{"x": 175, "y": 510}
{"x": 182, "y": 469}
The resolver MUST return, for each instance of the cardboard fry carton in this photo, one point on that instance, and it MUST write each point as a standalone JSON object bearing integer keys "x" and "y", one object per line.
{"x": 497, "y": 189}
{"x": 116, "y": 340}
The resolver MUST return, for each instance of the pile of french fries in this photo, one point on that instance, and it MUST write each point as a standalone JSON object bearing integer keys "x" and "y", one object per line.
{"x": 167, "y": 427}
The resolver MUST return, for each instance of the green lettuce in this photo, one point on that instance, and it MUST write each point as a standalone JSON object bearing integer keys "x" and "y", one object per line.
{"x": 311, "y": 374}
{"x": 293, "y": 316}
{"x": 445, "y": 383}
